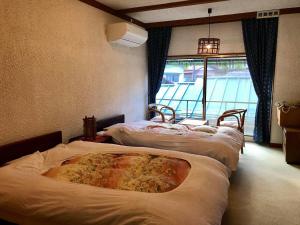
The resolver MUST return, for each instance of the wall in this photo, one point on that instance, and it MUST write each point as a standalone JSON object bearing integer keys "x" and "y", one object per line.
{"x": 56, "y": 67}
{"x": 185, "y": 39}
{"x": 287, "y": 74}
{"x": 287, "y": 77}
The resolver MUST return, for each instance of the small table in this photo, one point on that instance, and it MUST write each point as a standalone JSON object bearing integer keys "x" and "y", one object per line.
{"x": 99, "y": 139}
{"x": 193, "y": 122}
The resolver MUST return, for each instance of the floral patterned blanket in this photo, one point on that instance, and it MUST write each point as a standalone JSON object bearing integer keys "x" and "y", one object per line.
{"x": 134, "y": 172}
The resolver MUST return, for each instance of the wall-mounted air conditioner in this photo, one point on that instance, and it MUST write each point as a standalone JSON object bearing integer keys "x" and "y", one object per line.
{"x": 126, "y": 34}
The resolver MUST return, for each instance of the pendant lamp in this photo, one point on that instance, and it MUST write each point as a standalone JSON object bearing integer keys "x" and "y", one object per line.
{"x": 207, "y": 46}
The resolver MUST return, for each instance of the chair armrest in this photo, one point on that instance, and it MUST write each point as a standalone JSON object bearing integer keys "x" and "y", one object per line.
{"x": 221, "y": 118}
{"x": 157, "y": 111}
{"x": 169, "y": 108}
{"x": 158, "y": 108}
{"x": 235, "y": 111}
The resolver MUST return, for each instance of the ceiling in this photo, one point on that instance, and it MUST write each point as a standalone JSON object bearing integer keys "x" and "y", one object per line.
{"x": 196, "y": 10}
{"x": 121, "y": 4}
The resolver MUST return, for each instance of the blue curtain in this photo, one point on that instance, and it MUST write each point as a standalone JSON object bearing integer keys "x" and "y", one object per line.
{"x": 157, "y": 50}
{"x": 260, "y": 39}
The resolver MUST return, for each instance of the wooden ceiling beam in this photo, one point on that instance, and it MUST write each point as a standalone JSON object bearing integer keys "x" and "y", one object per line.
{"x": 167, "y": 6}
{"x": 203, "y": 20}
{"x": 289, "y": 10}
{"x": 111, "y": 11}
{"x": 215, "y": 19}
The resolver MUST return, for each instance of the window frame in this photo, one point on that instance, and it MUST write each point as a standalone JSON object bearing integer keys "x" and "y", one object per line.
{"x": 205, "y": 59}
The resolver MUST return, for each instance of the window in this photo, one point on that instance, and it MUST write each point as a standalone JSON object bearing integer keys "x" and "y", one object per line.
{"x": 228, "y": 86}
{"x": 183, "y": 95}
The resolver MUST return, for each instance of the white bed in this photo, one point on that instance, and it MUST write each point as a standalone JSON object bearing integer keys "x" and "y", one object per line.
{"x": 27, "y": 197}
{"x": 222, "y": 143}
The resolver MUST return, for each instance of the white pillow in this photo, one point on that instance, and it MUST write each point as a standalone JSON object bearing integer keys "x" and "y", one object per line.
{"x": 33, "y": 162}
{"x": 55, "y": 156}
{"x": 205, "y": 128}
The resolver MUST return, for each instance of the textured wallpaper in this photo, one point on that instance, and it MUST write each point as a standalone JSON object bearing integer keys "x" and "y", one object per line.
{"x": 56, "y": 67}
{"x": 287, "y": 73}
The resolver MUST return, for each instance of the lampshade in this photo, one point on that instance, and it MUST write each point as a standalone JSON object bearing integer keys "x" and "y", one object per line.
{"x": 208, "y": 45}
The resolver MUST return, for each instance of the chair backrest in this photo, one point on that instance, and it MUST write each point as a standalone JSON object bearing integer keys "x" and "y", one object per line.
{"x": 238, "y": 114}
{"x": 158, "y": 108}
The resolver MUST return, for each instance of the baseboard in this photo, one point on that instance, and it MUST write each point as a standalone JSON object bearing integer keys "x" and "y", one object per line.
{"x": 272, "y": 145}
{"x": 248, "y": 138}
{"x": 275, "y": 145}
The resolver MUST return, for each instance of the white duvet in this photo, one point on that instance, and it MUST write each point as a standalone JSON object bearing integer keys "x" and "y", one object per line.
{"x": 222, "y": 143}
{"x": 26, "y": 197}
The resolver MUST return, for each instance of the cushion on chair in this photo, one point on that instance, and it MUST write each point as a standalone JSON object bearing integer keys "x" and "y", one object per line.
{"x": 233, "y": 124}
{"x": 158, "y": 119}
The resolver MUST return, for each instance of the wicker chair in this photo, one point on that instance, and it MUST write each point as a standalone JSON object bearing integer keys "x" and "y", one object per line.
{"x": 237, "y": 123}
{"x": 161, "y": 117}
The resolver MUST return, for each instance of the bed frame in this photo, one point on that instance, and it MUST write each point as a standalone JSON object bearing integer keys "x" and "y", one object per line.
{"x": 25, "y": 147}
{"x": 28, "y": 146}
{"x": 42, "y": 143}
{"x": 101, "y": 124}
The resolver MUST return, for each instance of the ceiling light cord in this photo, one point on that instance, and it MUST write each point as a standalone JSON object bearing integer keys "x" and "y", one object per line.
{"x": 209, "y": 12}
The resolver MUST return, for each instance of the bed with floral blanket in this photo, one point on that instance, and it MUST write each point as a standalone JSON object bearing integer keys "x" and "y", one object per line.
{"x": 220, "y": 143}
{"x": 132, "y": 172}
{"x": 90, "y": 183}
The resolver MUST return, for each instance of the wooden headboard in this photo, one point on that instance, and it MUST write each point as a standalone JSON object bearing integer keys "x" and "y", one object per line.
{"x": 101, "y": 124}
{"x": 25, "y": 147}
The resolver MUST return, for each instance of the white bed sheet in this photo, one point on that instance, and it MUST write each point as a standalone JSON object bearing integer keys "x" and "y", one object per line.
{"x": 223, "y": 146}
{"x": 26, "y": 197}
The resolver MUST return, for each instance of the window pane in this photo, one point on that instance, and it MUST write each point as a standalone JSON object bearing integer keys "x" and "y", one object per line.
{"x": 182, "y": 87}
{"x": 229, "y": 86}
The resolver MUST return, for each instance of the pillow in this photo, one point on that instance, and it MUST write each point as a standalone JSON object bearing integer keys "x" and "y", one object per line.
{"x": 117, "y": 125}
{"x": 205, "y": 128}
{"x": 23, "y": 158}
{"x": 32, "y": 163}
{"x": 113, "y": 130}
{"x": 101, "y": 133}
{"x": 55, "y": 156}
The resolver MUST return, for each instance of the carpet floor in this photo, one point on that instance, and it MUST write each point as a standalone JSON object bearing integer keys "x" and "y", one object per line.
{"x": 264, "y": 190}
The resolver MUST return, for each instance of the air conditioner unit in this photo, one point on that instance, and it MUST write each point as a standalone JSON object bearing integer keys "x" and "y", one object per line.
{"x": 126, "y": 34}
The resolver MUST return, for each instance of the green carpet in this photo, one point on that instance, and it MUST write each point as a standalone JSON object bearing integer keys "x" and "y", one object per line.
{"x": 264, "y": 190}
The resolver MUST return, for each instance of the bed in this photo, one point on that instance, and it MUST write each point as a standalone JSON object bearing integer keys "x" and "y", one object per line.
{"x": 31, "y": 195}
{"x": 220, "y": 143}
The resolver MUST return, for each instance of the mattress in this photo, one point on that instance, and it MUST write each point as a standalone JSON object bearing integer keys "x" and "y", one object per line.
{"x": 221, "y": 143}
{"x": 28, "y": 197}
